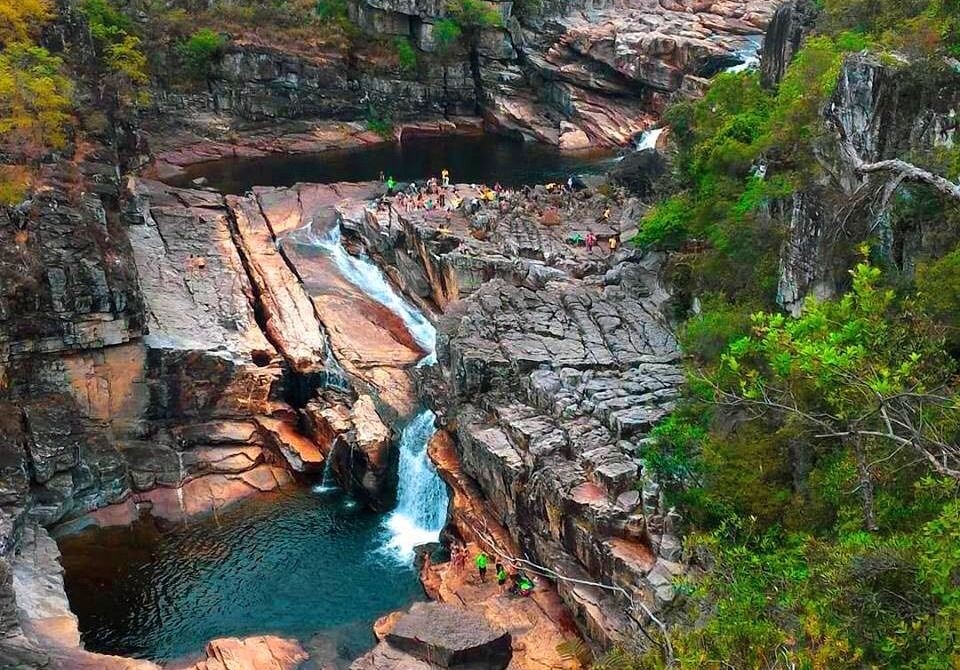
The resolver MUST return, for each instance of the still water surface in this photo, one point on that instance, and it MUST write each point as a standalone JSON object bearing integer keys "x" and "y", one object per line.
{"x": 484, "y": 159}
{"x": 293, "y": 563}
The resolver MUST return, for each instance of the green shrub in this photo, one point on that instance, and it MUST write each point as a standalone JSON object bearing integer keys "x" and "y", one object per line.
{"x": 938, "y": 287}
{"x": 473, "y": 15}
{"x": 446, "y": 32}
{"x": 667, "y": 225}
{"x": 379, "y": 123}
{"x": 201, "y": 51}
{"x": 406, "y": 54}
{"x": 708, "y": 334}
{"x": 332, "y": 10}
{"x": 120, "y": 50}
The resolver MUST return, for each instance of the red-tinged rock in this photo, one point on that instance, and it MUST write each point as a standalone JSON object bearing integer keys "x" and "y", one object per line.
{"x": 212, "y": 492}
{"x": 287, "y": 312}
{"x": 301, "y": 453}
{"x": 263, "y": 652}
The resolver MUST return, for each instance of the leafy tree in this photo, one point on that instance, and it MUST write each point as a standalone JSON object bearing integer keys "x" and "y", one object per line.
{"x": 119, "y": 49}
{"x": 201, "y": 51}
{"x": 19, "y": 20}
{"x": 473, "y": 15}
{"x": 857, "y": 370}
{"x": 446, "y": 32}
{"x": 14, "y": 184}
{"x": 35, "y": 99}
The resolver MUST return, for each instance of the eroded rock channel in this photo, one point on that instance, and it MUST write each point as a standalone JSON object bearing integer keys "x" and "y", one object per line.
{"x": 258, "y": 350}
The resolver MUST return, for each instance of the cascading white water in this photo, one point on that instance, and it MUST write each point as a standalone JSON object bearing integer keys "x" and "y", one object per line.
{"x": 648, "y": 139}
{"x": 364, "y": 273}
{"x": 749, "y": 55}
{"x": 421, "y": 510}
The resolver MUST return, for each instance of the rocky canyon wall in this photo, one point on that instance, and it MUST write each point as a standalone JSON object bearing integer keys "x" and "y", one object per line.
{"x": 555, "y": 362}
{"x": 575, "y": 75}
{"x": 879, "y": 110}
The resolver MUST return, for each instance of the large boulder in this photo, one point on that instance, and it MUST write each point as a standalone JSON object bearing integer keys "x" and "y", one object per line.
{"x": 450, "y": 637}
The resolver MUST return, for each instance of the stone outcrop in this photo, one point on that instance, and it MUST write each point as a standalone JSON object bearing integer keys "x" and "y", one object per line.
{"x": 790, "y": 24}
{"x": 435, "y": 635}
{"x": 884, "y": 110}
{"x": 265, "y": 652}
{"x": 608, "y": 69}
{"x": 575, "y": 75}
{"x": 161, "y": 351}
{"x": 538, "y": 625}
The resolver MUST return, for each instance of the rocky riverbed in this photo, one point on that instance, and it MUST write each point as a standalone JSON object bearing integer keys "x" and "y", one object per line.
{"x": 247, "y": 357}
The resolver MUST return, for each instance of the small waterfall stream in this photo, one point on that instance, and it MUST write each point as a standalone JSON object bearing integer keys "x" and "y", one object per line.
{"x": 648, "y": 139}
{"x": 421, "y": 509}
{"x": 364, "y": 273}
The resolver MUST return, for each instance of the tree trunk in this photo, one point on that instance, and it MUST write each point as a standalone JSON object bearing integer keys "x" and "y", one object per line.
{"x": 866, "y": 485}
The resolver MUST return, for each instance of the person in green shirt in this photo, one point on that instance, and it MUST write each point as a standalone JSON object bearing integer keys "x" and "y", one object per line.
{"x": 481, "y": 562}
{"x": 501, "y": 575}
{"x": 391, "y": 185}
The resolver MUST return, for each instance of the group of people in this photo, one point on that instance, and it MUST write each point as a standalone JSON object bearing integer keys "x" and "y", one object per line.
{"x": 521, "y": 584}
{"x": 437, "y": 194}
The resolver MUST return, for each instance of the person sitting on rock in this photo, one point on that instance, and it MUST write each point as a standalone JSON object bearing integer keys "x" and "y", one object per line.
{"x": 481, "y": 562}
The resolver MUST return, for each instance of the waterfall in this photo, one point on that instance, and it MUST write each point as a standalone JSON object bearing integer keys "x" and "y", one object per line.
{"x": 364, "y": 273}
{"x": 648, "y": 139}
{"x": 328, "y": 482}
{"x": 421, "y": 510}
{"x": 749, "y": 55}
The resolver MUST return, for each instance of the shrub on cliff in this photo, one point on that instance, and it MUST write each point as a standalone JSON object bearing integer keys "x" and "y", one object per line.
{"x": 35, "y": 100}
{"x": 473, "y": 15}
{"x": 446, "y": 32}
{"x": 201, "y": 51}
{"x": 120, "y": 51}
{"x": 20, "y": 20}
{"x": 406, "y": 54}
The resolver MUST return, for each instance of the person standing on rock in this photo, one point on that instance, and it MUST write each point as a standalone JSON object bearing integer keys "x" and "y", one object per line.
{"x": 481, "y": 562}
{"x": 501, "y": 576}
{"x": 445, "y": 177}
{"x": 591, "y": 241}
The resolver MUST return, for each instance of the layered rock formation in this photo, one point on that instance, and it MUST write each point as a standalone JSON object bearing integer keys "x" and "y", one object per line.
{"x": 433, "y": 635}
{"x": 162, "y": 351}
{"x": 573, "y": 75}
{"x": 555, "y": 365}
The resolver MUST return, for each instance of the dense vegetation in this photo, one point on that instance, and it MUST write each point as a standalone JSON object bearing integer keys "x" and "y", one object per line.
{"x": 816, "y": 458}
{"x": 35, "y": 96}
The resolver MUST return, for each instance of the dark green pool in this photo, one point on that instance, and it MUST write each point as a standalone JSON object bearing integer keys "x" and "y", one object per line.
{"x": 483, "y": 159}
{"x": 296, "y": 563}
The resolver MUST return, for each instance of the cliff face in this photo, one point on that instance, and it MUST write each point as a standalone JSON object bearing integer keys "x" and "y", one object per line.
{"x": 882, "y": 111}
{"x": 160, "y": 353}
{"x": 554, "y": 364}
{"x": 570, "y": 75}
